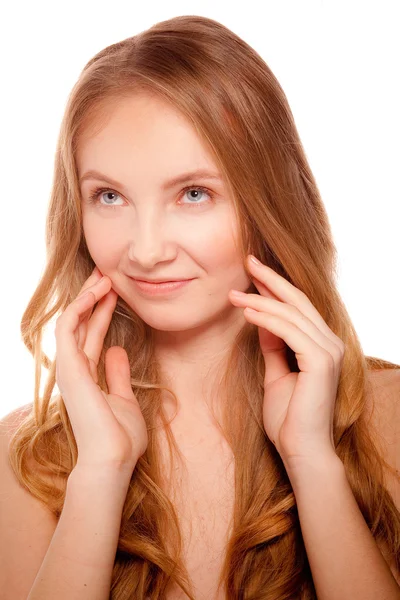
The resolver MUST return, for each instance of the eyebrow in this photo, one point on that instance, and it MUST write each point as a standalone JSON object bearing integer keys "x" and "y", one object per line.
{"x": 183, "y": 178}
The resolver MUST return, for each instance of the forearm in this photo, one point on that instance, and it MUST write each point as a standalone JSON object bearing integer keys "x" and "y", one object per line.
{"x": 344, "y": 558}
{"x": 81, "y": 555}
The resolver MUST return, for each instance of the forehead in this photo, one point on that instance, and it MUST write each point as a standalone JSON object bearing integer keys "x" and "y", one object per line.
{"x": 141, "y": 135}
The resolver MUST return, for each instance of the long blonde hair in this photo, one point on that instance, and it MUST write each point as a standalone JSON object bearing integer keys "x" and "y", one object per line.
{"x": 239, "y": 109}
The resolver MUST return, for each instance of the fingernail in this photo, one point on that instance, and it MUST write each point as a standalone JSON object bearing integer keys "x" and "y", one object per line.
{"x": 254, "y": 260}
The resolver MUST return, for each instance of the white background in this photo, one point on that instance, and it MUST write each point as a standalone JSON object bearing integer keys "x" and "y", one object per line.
{"x": 337, "y": 62}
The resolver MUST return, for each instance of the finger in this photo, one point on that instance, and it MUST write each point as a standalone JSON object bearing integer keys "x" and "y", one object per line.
{"x": 67, "y": 323}
{"x": 289, "y": 314}
{"x": 88, "y": 316}
{"x": 93, "y": 369}
{"x": 311, "y": 356}
{"x": 95, "y": 276}
{"x": 118, "y": 372}
{"x": 287, "y": 292}
{"x": 81, "y": 330}
{"x": 262, "y": 288}
{"x": 98, "y": 326}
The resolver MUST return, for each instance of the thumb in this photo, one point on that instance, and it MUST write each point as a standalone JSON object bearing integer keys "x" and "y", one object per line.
{"x": 118, "y": 372}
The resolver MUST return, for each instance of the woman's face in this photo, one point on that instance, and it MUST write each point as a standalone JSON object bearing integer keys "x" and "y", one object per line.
{"x": 141, "y": 226}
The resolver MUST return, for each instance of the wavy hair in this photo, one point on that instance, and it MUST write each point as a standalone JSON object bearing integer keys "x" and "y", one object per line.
{"x": 239, "y": 109}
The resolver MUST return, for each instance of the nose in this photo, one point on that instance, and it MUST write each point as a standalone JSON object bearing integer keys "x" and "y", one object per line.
{"x": 152, "y": 242}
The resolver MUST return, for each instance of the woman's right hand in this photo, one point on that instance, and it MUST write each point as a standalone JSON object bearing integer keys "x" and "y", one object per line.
{"x": 109, "y": 429}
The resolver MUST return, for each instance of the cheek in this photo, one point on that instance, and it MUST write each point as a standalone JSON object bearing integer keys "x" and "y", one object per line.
{"x": 218, "y": 251}
{"x": 221, "y": 243}
{"x": 212, "y": 246}
{"x": 104, "y": 244}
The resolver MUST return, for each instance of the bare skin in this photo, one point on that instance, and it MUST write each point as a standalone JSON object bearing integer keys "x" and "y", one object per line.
{"x": 158, "y": 234}
{"x": 138, "y": 229}
{"x": 203, "y": 499}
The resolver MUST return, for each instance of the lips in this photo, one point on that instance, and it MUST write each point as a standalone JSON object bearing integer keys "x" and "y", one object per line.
{"x": 158, "y": 280}
{"x": 160, "y": 289}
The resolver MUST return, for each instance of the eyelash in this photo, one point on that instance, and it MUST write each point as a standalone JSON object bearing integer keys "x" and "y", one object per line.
{"x": 95, "y": 193}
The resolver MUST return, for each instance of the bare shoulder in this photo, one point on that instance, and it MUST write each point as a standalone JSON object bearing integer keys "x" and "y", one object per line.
{"x": 384, "y": 401}
{"x": 383, "y": 405}
{"x": 26, "y": 524}
{"x": 8, "y": 426}
{"x": 384, "y": 412}
{"x": 386, "y": 378}
{"x": 11, "y": 421}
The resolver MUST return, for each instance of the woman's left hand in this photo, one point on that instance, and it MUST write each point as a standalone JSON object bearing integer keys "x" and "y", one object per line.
{"x": 298, "y": 408}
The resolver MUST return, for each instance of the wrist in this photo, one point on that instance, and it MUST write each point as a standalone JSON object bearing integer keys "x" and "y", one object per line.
{"x": 101, "y": 492}
{"x": 314, "y": 467}
{"x": 100, "y": 477}
{"x": 115, "y": 469}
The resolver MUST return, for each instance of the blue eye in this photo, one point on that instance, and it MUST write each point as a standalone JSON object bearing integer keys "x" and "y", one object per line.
{"x": 94, "y": 196}
{"x": 201, "y": 189}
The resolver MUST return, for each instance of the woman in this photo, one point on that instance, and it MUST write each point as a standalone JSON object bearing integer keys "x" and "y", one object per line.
{"x": 265, "y": 478}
